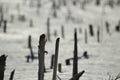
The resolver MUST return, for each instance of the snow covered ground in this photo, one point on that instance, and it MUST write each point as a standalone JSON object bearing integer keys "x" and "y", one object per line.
{"x": 104, "y": 56}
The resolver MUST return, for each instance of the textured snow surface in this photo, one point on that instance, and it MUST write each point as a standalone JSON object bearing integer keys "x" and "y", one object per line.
{"x": 104, "y": 56}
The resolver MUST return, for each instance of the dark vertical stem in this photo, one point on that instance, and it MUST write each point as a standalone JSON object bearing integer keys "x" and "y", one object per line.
{"x": 48, "y": 29}
{"x": 56, "y": 59}
{"x": 32, "y": 54}
{"x": 12, "y": 75}
{"x": 91, "y": 30}
{"x": 107, "y": 27}
{"x": 41, "y": 51}
{"x": 75, "y": 60}
{"x": 86, "y": 39}
{"x": 97, "y": 2}
{"x": 52, "y": 61}
{"x": 98, "y": 35}
{"x": 74, "y": 2}
{"x": 5, "y": 26}
{"x": 29, "y": 41}
{"x": 53, "y": 4}
{"x": 30, "y": 47}
{"x": 2, "y": 66}
{"x": 60, "y": 67}
{"x": 62, "y": 32}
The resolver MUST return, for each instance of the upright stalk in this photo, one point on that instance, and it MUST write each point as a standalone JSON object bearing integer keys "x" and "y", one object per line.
{"x": 56, "y": 59}
{"x": 75, "y": 60}
{"x": 41, "y": 51}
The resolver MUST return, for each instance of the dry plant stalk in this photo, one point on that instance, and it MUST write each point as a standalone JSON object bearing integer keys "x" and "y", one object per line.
{"x": 41, "y": 52}
{"x": 56, "y": 59}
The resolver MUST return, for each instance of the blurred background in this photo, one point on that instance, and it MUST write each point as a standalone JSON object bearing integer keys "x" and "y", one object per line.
{"x": 97, "y": 23}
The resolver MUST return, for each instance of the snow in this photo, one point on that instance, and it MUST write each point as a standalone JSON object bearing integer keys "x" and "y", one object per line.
{"x": 104, "y": 56}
